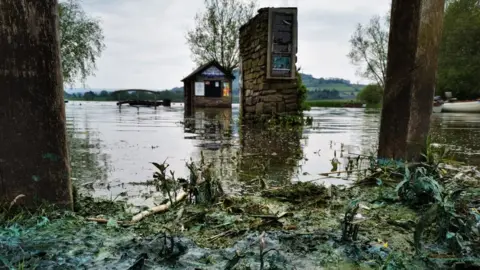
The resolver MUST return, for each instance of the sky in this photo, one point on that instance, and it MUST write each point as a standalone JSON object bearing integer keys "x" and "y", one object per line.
{"x": 146, "y": 47}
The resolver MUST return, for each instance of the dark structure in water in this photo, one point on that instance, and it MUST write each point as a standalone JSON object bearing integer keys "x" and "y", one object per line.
{"x": 209, "y": 86}
{"x": 141, "y": 102}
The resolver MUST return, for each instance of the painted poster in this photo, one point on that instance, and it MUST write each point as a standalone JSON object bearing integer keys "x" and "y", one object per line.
{"x": 281, "y": 62}
{"x": 226, "y": 89}
{"x": 281, "y": 65}
{"x": 199, "y": 89}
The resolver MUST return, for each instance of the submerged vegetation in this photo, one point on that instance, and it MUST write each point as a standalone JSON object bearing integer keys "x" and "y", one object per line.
{"x": 334, "y": 103}
{"x": 394, "y": 217}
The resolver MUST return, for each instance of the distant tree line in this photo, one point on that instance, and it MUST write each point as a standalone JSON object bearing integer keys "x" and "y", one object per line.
{"x": 173, "y": 95}
{"x": 323, "y": 94}
{"x": 311, "y": 81}
{"x": 176, "y": 95}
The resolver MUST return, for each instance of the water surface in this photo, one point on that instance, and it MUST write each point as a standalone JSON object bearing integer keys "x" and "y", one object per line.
{"x": 111, "y": 149}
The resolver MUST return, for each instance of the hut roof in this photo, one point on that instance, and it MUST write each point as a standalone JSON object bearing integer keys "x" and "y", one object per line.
{"x": 204, "y": 67}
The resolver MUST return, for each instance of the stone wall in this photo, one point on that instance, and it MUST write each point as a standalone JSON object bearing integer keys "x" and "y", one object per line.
{"x": 259, "y": 95}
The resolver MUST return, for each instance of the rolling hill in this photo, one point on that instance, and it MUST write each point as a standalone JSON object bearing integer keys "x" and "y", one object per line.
{"x": 318, "y": 88}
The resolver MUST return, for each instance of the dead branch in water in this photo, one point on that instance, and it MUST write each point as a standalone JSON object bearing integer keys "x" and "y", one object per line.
{"x": 161, "y": 208}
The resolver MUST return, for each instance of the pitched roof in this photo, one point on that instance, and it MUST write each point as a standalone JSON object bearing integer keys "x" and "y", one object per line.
{"x": 205, "y": 67}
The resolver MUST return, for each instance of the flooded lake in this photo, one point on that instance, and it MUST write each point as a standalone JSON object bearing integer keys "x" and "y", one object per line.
{"x": 112, "y": 150}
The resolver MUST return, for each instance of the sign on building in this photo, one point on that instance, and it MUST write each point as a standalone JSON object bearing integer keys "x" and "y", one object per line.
{"x": 282, "y": 37}
{"x": 199, "y": 89}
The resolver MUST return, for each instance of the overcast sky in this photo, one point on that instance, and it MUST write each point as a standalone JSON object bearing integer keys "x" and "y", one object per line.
{"x": 146, "y": 48}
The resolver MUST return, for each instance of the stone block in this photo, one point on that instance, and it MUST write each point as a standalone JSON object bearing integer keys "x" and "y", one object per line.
{"x": 273, "y": 98}
{"x": 282, "y": 85}
{"x": 259, "y": 108}
{"x": 262, "y": 61}
{"x": 291, "y": 107}
{"x": 269, "y": 108}
{"x": 250, "y": 109}
{"x": 269, "y": 92}
{"x": 291, "y": 91}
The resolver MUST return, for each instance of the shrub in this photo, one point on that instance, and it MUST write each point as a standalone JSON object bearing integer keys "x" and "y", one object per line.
{"x": 371, "y": 94}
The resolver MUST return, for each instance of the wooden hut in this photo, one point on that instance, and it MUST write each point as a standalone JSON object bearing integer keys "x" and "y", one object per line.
{"x": 209, "y": 86}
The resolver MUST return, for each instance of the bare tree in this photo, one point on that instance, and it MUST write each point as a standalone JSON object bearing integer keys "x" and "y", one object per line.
{"x": 216, "y": 32}
{"x": 369, "y": 49}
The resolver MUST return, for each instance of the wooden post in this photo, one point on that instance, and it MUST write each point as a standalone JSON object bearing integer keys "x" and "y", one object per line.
{"x": 33, "y": 151}
{"x": 402, "y": 48}
{"x": 430, "y": 34}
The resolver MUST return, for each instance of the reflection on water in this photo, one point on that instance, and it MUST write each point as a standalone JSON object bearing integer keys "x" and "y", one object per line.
{"x": 111, "y": 149}
{"x": 460, "y": 131}
{"x": 271, "y": 154}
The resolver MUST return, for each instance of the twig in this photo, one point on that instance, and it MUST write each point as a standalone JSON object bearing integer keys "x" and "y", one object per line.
{"x": 182, "y": 195}
{"x": 337, "y": 172}
{"x": 159, "y": 209}
{"x": 15, "y": 201}
{"x": 105, "y": 221}
{"x": 221, "y": 235}
{"x": 226, "y": 233}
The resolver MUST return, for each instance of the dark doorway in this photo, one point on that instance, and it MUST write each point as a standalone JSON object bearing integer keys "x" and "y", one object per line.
{"x": 213, "y": 89}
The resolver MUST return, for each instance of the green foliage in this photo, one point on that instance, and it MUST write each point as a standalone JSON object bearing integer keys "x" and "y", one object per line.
{"x": 419, "y": 188}
{"x": 371, "y": 94}
{"x": 349, "y": 227}
{"x": 459, "y": 59}
{"x": 81, "y": 42}
{"x": 324, "y": 94}
{"x": 328, "y": 83}
{"x": 216, "y": 35}
{"x": 445, "y": 209}
{"x": 202, "y": 186}
{"x": 302, "y": 94}
{"x": 454, "y": 224}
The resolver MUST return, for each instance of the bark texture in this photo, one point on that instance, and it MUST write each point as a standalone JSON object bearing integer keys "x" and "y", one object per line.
{"x": 33, "y": 151}
{"x": 430, "y": 34}
{"x": 402, "y": 47}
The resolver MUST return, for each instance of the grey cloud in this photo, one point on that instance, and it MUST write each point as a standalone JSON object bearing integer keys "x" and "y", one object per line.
{"x": 146, "y": 45}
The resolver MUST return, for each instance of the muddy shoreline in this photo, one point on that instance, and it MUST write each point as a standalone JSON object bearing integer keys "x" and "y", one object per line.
{"x": 297, "y": 226}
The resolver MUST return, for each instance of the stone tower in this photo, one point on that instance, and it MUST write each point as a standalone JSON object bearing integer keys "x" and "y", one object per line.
{"x": 268, "y": 48}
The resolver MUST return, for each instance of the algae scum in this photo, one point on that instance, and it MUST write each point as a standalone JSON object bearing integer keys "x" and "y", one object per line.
{"x": 416, "y": 216}
{"x": 395, "y": 218}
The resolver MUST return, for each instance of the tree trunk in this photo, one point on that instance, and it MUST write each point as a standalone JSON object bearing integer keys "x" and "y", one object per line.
{"x": 33, "y": 151}
{"x": 402, "y": 47}
{"x": 430, "y": 34}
